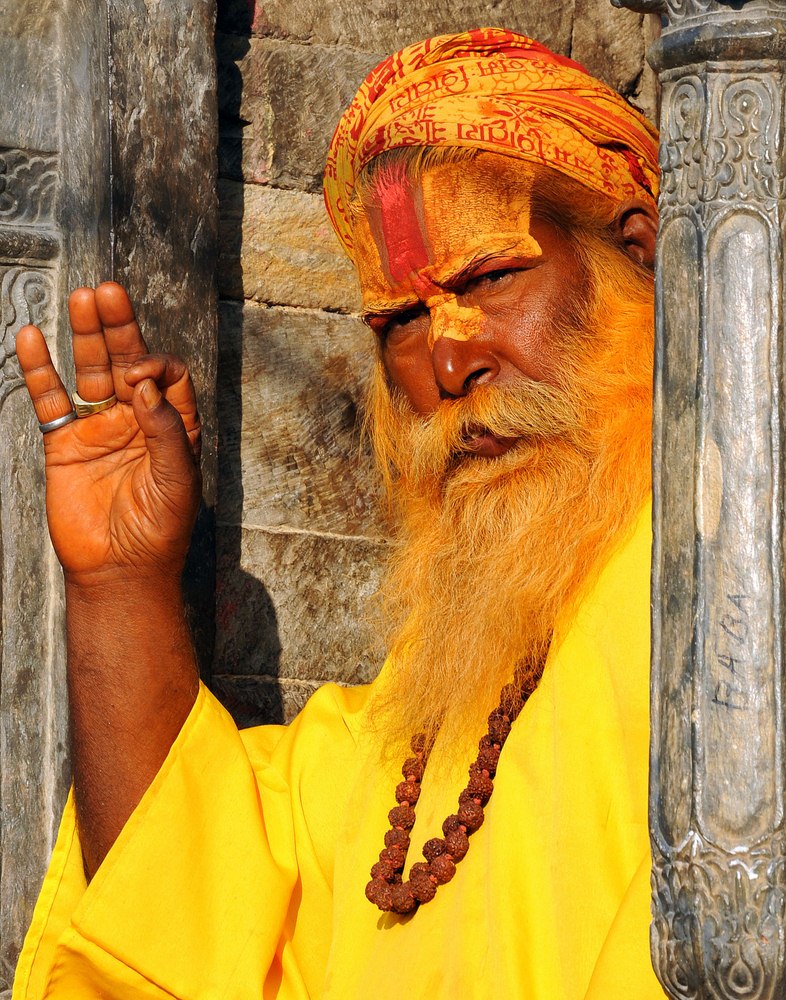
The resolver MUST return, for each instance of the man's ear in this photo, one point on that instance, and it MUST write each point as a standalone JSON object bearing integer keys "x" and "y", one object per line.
{"x": 636, "y": 225}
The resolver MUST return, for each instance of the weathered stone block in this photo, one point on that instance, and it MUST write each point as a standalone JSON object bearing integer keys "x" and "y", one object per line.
{"x": 278, "y": 247}
{"x": 386, "y": 25}
{"x": 245, "y": 150}
{"x": 287, "y": 99}
{"x": 29, "y": 116}
{"x": 612, "y": 45}
{"x": 290, "y": 398}
{"x": 165, "y": 215}
{"x": 165, "y": 219}
{"x": 294, "y": 605}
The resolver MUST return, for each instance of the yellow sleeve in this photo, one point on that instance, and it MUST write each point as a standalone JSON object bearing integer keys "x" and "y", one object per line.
{"x": 216, "y": 877}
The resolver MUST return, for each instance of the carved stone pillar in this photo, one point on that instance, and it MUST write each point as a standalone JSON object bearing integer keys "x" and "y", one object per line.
{"x": 108, "y": 139}
{"x": 717, "y": 749}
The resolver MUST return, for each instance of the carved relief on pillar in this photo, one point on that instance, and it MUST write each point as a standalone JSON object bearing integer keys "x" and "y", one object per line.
{"x": 689, "y": 8}
{"x": 25, "y": 297}
{"x": 715, "y": 143}
{"x": 684, "y": 109}
{"x": 741, "y": 157}
{"x": 722, "y": 918}
{"x": 28, "y": 183}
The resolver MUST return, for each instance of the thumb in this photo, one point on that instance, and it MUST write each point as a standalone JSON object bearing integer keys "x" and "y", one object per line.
{"x": 171, "y": 458}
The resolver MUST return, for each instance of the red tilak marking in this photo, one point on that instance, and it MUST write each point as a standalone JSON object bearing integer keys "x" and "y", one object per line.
{"x": 401, "y": 230}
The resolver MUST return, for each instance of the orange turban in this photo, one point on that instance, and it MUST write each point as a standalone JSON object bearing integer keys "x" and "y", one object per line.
{"x": 501, "y": 92}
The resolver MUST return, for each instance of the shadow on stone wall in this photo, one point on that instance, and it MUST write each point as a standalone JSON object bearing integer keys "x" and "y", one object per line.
{"x": 245, "y": 614}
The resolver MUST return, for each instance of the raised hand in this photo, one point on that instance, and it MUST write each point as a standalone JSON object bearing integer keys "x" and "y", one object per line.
{"x": 122, "y": 490}
{"x": 123, "y": 484}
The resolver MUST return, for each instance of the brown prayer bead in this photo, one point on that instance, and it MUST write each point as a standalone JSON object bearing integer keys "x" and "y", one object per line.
{"x": 480, "y": 787}
{"x": 383, "y": 869}
{"x": 407, "y": 791}
{"x": 433, "y": 848}
{"x": 499, "y": 726}
{"x": 403, "y": 816}
{"x": 398, "y": 838}
{"x": 412, "y": 769}
{"x": 451, "y": 823}
{"x": 403, "y": 899}
{"x": 488, "y": 758}
{"x": 471, "y": 816}
{"x": 395, "y": 855}
{"x": 443, "y": 869}
{"x": 456, "y": 844}
{"x": 379, "y": 893}
{"x": 424, "y": 888}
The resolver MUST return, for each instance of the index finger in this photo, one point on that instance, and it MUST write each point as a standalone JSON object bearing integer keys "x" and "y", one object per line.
{"x": 123, "y": 337}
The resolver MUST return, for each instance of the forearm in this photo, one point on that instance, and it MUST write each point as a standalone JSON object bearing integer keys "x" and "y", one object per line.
{"x": 133, "y": 679}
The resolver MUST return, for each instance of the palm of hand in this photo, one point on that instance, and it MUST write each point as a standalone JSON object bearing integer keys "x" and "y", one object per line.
{"x": 123, "y": 484}
{"x": 104, "y": 506}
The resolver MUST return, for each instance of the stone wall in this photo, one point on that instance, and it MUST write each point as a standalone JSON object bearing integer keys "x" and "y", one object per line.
{"x": 300, "y": 538}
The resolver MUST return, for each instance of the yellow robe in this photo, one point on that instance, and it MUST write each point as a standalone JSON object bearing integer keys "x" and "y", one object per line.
{"x": 241, "y": 873}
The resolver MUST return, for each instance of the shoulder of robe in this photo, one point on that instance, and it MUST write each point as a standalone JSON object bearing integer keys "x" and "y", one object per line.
{"x": 330, "y": 723}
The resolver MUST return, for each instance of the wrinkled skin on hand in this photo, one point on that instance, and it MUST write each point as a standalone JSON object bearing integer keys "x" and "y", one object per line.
{"x": 123, "y": 485}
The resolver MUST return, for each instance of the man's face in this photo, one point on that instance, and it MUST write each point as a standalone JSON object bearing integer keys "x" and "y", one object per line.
{"x": 521, "y": 425}
{"x": 462, "y": 285}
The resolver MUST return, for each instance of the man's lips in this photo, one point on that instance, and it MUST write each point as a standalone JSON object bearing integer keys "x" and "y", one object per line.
{"x": 481, "y": 441}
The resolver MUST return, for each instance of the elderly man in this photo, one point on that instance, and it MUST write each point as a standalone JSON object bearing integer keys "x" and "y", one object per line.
{"x": 499, "y": 206}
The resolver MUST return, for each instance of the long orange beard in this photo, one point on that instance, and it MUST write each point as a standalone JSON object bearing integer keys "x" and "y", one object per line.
{"x": 490, "y": 551}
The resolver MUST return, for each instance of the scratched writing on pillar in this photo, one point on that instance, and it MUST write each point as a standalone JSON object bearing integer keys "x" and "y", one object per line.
{"x": 731, "y": 654}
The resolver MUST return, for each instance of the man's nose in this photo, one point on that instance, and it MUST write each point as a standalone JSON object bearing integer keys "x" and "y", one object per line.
{"x": 460, "y": 365}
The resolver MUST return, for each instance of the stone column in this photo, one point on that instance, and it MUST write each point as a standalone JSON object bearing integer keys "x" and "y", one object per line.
{"x": 717, "y": 749}
{"x": 107, "y": 168}
{"x": 54, "y": 183}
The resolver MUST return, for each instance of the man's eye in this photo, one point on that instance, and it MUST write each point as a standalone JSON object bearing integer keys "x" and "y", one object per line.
{"x": 491, "y": 277}
{"x": 400, "y": 323}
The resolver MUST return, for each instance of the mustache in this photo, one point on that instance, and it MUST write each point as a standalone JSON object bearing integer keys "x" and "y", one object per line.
{"x": 524, "y": 409}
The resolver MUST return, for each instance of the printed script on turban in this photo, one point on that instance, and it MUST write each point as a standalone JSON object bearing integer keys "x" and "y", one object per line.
{"x": 502, "y": 92}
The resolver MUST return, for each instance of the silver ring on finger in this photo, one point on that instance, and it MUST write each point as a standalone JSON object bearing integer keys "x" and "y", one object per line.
{"x": 52, "y": 425}
{"x": 84, "y": 408}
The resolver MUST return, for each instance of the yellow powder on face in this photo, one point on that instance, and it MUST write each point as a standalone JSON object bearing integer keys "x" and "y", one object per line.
{"x": 468, "y": 209}
{"x": 466, "y": 213}
{"x": 449, "y": 319}
{"x": 495, "y": 200}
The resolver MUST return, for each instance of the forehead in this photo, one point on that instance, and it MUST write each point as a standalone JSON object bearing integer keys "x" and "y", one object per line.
{"x": 440, "y": 221}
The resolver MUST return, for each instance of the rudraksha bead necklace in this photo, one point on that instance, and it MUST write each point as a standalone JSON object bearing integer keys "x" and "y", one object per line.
{"x": 387, "y": 889}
